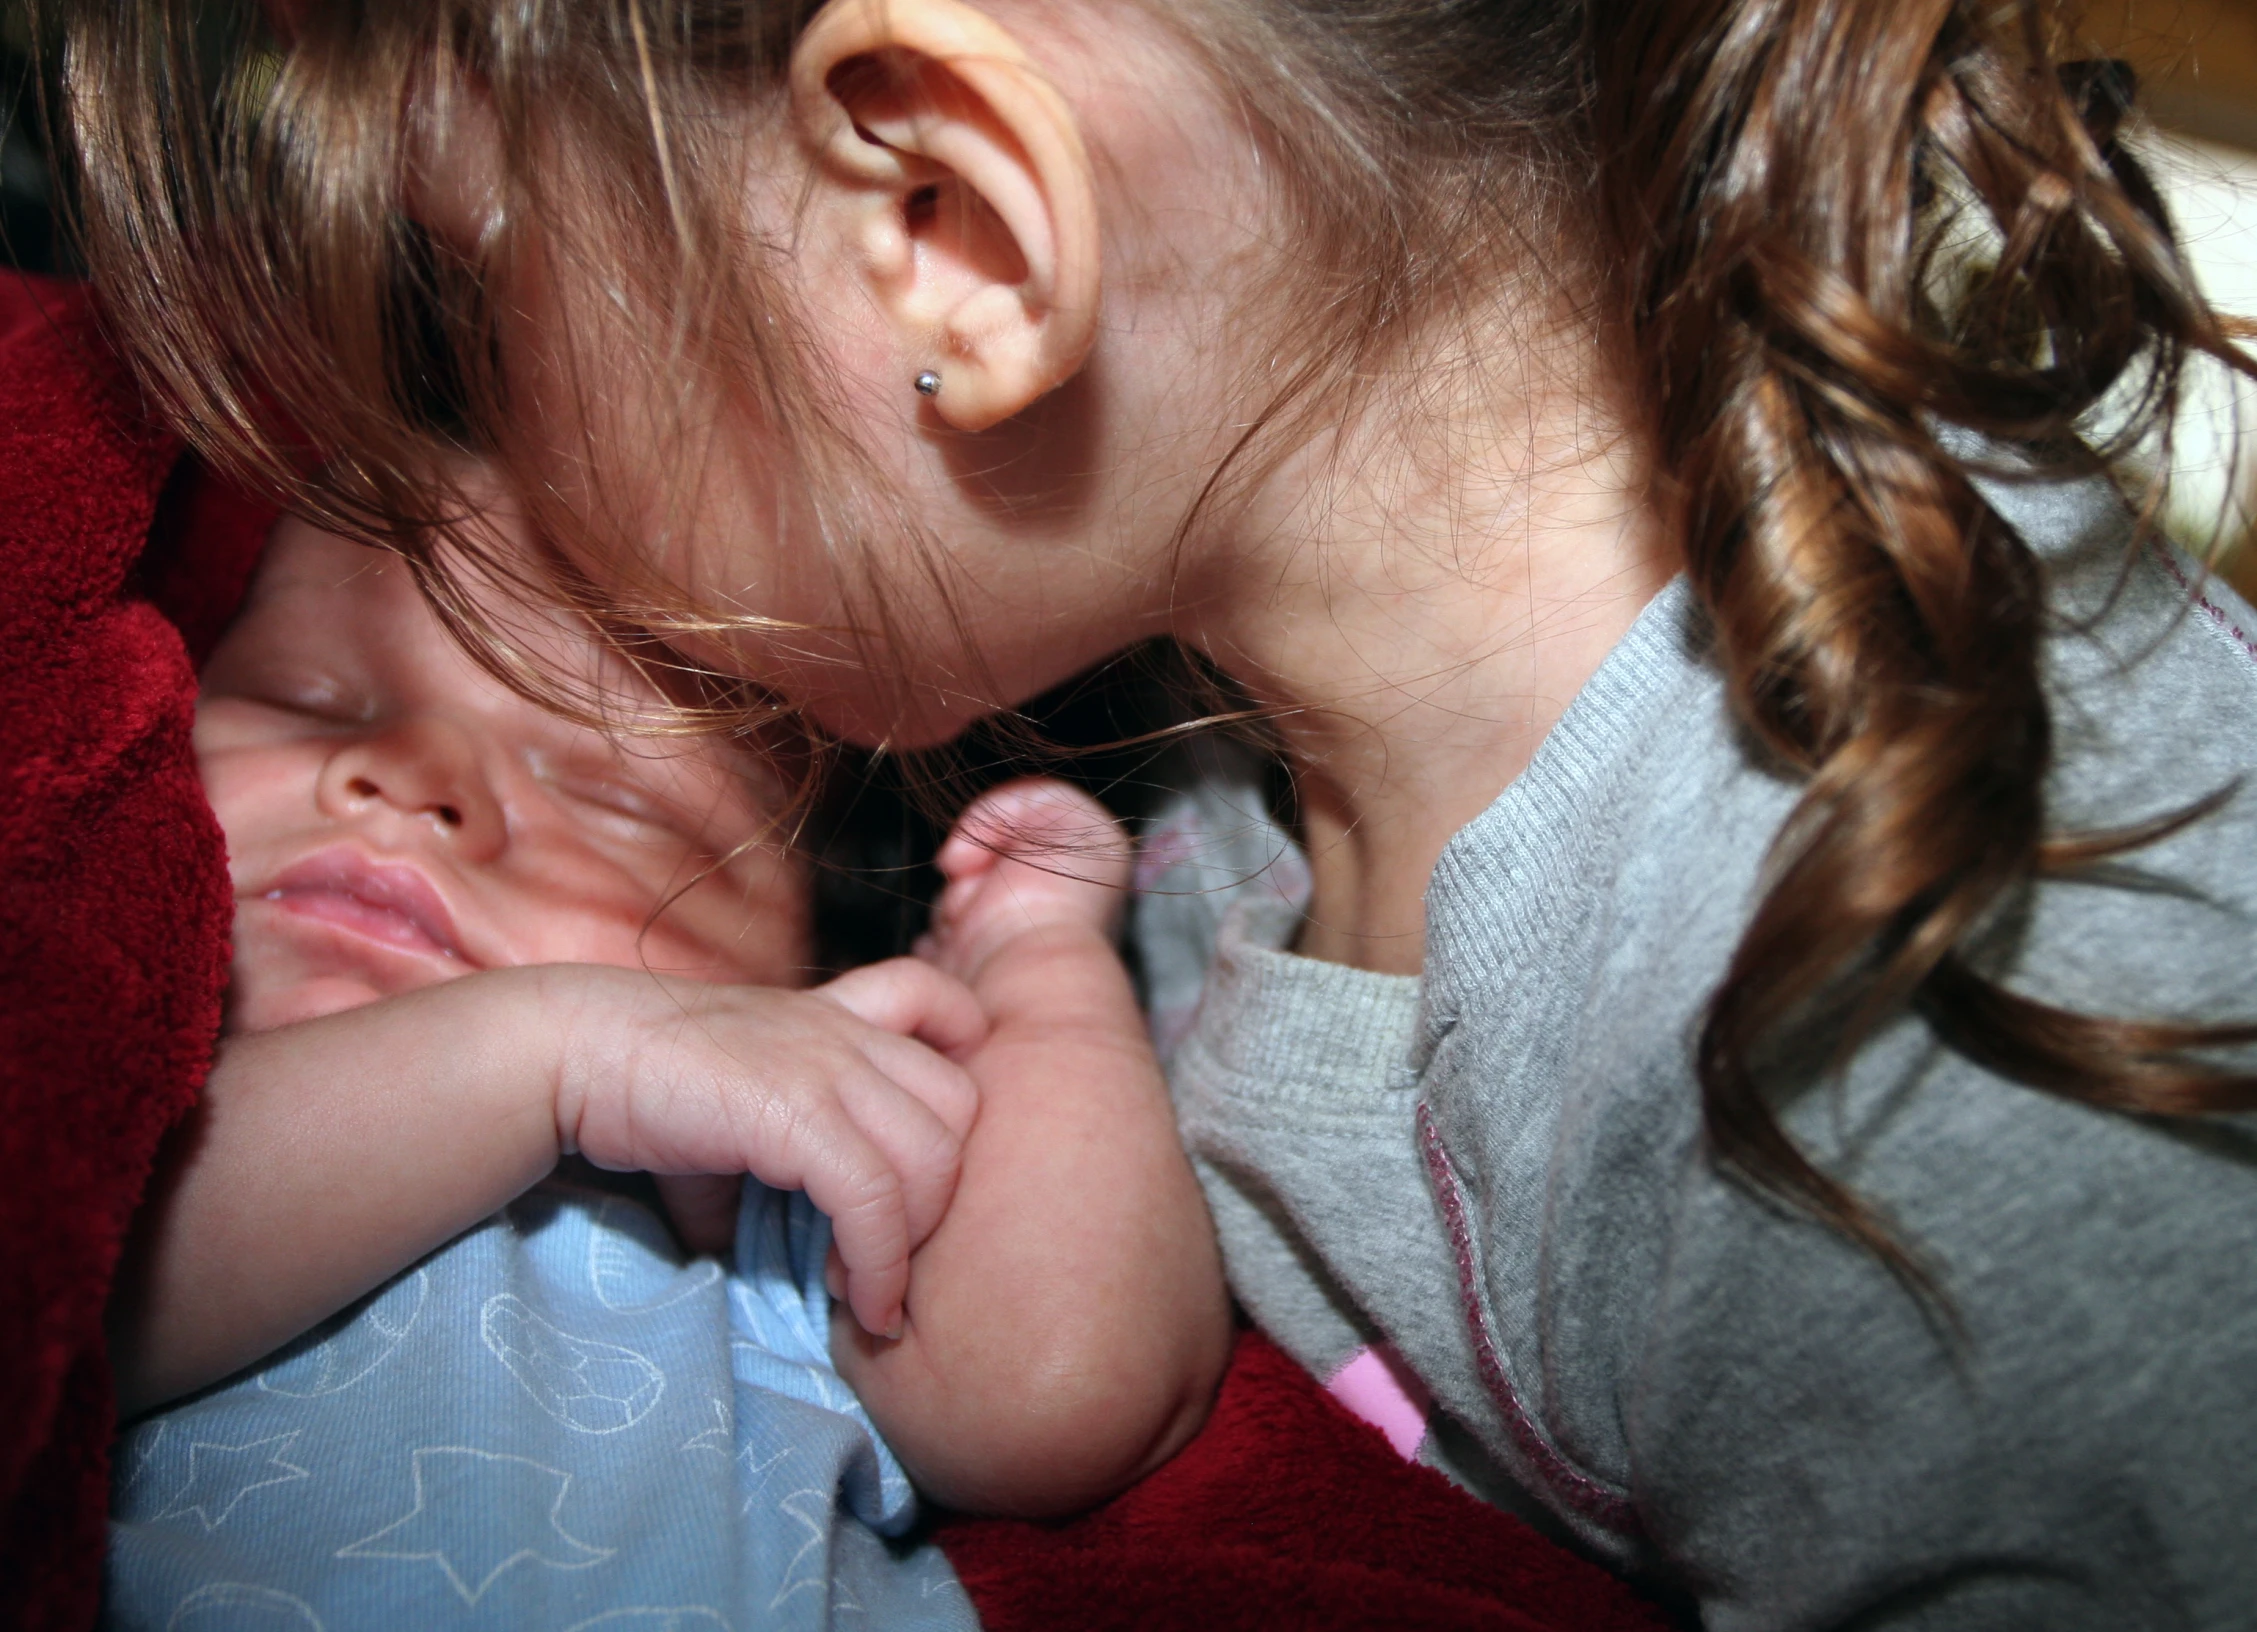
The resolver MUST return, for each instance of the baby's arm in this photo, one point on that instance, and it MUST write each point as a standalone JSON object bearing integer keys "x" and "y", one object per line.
{"x": 1066, "y": 1322}
{"x": 327, "y": 1156}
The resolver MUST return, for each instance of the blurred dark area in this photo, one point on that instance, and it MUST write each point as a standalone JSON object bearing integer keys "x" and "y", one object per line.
{"x": 2197, "y": 62}
{"x": 28, "y": 237}
{"x": 1111, "y": 731}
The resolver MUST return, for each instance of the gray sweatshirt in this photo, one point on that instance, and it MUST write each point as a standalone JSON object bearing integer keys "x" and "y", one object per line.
{"x": 1498, "y": 1168}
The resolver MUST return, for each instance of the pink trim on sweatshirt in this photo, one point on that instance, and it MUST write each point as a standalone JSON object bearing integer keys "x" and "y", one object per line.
{"x": 1581, "y": 1492}
{"x": 2216, "y": 613}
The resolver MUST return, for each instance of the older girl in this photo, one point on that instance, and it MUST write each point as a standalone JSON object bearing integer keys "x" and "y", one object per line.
{"x": 1753, "y": 1048}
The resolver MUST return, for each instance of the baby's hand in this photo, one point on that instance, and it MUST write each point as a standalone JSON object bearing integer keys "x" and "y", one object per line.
{"x": 1037, "y": 860}
{"x": 843, "y": 1092}
{"x": 1070, "y": 1320}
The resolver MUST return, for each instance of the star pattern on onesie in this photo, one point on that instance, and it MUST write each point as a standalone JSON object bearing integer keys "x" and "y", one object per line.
{"x": 716, "y": 1438}
{"x": 384, "y": 1431}
{"x": 758, "y": 1470}
{"x": 810, "y": 1566}
{"x": 220, "y": 1476}
{"x": 477, "y": 1514}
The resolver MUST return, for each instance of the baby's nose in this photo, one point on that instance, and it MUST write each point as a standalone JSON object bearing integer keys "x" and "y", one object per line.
{"x": 366, "y": 789}
{"x": 423, "y": 772}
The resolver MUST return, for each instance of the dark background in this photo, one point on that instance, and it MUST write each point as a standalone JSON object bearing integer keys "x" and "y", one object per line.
{"x": 26, "y": 237}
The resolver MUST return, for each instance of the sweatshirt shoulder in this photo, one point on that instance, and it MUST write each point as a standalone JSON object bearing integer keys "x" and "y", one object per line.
{"x": 2074, "y": 1419}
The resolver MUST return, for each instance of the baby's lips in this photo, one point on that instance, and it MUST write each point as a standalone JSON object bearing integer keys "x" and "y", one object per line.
{"x": 388, "y": 901}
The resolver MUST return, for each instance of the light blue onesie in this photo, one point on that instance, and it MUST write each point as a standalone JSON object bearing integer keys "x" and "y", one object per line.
{"x": 553, "y": 1422}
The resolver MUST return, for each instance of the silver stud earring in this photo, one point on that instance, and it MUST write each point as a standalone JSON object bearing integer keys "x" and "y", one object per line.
{"x": 928, "y": 384}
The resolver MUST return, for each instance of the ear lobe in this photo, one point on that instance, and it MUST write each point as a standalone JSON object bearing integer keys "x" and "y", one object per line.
{"x": 963, "y": 191}
{"x": 452, "y": 185}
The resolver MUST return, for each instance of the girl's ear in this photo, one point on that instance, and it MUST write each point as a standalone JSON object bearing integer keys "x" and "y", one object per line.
{"x": 955, "y": 175}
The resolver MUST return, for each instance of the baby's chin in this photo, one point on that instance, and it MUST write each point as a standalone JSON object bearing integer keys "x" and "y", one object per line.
{"x": 254, "y": 1005}
{"x": 289, "y": 968}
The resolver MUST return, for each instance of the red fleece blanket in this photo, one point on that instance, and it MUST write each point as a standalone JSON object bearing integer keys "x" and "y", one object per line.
{"x": 115, "y": 569}
{"x": 113, "y": 915}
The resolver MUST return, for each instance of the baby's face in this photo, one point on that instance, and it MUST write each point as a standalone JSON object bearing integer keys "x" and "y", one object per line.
{"x": 394, "y": 817}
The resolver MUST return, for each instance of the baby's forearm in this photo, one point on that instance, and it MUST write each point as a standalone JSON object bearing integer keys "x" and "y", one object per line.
{"x": 275, "y": 1206}
{"x": 1067, "y": 1322}
{"x": 330, "y": 1155}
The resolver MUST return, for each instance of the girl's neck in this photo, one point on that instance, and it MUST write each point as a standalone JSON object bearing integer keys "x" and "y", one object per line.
{"x": 1423, "y": 605}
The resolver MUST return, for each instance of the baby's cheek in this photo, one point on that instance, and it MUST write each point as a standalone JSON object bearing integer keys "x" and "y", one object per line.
{"x": 654, "y": 906}
{"x": 285, "y": 969}
{"x": 748, "y": 950}
{"x": 758, "y": 930}
{"x": 263, "y": 797}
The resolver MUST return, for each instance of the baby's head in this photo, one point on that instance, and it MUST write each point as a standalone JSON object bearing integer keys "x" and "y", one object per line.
{"x": 396, "y": 817}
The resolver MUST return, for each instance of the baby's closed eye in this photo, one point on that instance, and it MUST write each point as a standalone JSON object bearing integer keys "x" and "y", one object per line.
{"x": 638, "y": 808}
{"x": 319, "y": 693}
{"x": 620, "y": 803}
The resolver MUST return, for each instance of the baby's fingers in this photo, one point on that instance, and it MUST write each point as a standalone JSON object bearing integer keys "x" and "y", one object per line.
{"x": 849, "y": 1180}
{"x": 937, "y": 1085}
{"x": 878, "y": 1161}
{"x": 911, "y": 998}
{"x": 1040, "y": 821}
{"x": 916, "y": 1108}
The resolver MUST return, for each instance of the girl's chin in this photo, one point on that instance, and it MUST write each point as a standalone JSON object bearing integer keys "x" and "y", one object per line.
{"x": 904, "y": 720}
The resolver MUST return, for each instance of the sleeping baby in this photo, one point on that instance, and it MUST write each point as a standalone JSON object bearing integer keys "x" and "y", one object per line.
{"x": 474, "y": 937}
